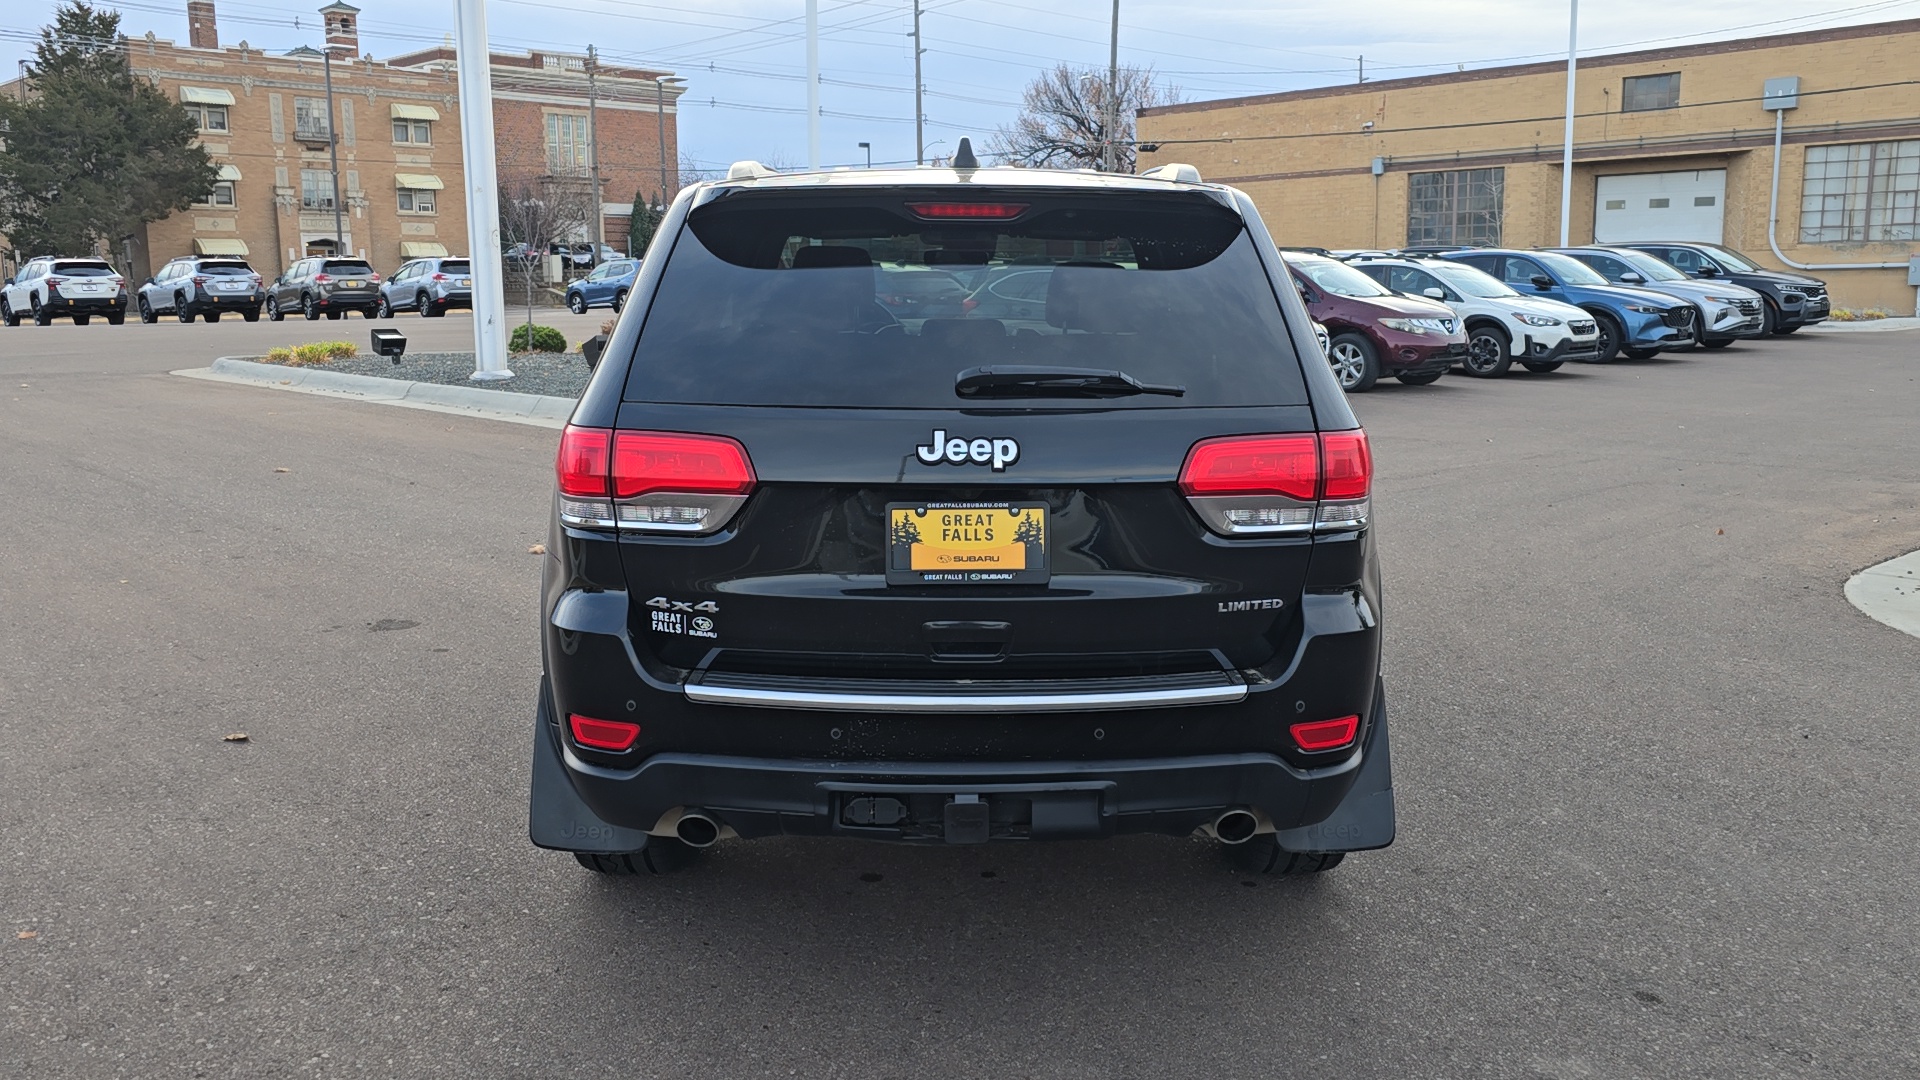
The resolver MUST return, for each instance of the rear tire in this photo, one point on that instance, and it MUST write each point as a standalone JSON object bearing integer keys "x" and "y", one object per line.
{"x": 251, "y": 316}
{"x": 383, "y": 309}
{"x": 146, "y": 311}
{"x": 1263, "y": 855}
{"x": 662, "y": 855}
{"x": 308, "y": 310}
{"x": 181, "y": 311}
{"x": 210, "y": 316}
{"x": 41, "y": 316}
{"x": 117, "y": 320}
{"x": 619, "y": 301}
{"x": 427, "y": 310}
{"x": 7, "y": 314}
{"x": 1489, "y": 352}
{"x": 82, "y": 320}
{"x": 1542, "y": 366}
{"x": 1355, "y": 362}
{"x": 1422, "y": 379}
{"x": 273, "y": 310}
{"x": 1610, "y": 338}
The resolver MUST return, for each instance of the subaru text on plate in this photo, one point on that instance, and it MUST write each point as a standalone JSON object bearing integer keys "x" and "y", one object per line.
{"x": 817, "y": 569}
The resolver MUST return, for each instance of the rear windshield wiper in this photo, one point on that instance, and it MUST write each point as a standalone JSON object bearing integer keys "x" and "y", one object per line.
{"x": 1022, "y": 380}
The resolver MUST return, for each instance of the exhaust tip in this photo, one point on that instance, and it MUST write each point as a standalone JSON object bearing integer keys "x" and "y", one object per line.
{"x": 1235, "y": 826}
{"x": 696, "y": 829}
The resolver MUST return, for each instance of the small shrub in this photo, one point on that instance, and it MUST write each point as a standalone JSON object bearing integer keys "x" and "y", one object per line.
{"x": 1858, "y": 315}
{"x": 279, "y": 354}
{"x": 526, "y": 338}
{"x": 313, "y": 353}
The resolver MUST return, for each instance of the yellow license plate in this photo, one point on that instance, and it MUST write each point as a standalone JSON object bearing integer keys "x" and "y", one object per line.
{"x": 349, "y": 284}
{"x": 966, "y": 543}
{"x": 466, "y": 283}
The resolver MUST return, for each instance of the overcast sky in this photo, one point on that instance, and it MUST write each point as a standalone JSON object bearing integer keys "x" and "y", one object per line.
{"x": 745, "y": 59}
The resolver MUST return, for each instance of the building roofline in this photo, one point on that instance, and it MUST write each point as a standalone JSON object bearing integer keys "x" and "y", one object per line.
{"x": 529, "y": 60}
{"x": 1644, "y": 56}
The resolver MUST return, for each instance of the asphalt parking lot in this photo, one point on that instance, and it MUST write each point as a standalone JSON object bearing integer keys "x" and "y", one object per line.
{"x": 1655, "y": 774}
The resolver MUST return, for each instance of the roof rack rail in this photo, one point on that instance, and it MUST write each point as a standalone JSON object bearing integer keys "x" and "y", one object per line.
{"x": 748, "y": 170}
{"x": 1177, "y": 171}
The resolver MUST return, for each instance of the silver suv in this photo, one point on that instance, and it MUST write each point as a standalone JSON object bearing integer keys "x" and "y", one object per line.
{"x": 431, "y": 286}
{"x": 206, "y": 287}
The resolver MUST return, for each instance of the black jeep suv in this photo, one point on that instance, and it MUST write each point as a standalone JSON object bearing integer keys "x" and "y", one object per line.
{"x": 818, "y": 569}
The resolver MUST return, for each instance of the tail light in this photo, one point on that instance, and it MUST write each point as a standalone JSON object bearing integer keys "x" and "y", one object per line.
{"x": 54, "y": 282}
{"x": 199, "y": 279}
{"x": 323, "y": 279}
{"x": 439, "y": 276}
{"x": 614, "y": 735}
{"x": 374, "y": 277}
{"x": 1314, "y": 736}
{"x": 1264, "y": 485}
{"x": 651, "y": 481}
{"x": 257, "y": 279}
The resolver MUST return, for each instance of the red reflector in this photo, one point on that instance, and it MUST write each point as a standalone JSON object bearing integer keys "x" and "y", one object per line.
{"x": 603, "y": 734}
{"x": 976, "y": 211}
{"x": 582, "y": 462}
{"x": 1347, "y": 463}
{"x": 1258, "y": 465}
{"x": 646, "y": 461}
{"x": 1326, "y": 734}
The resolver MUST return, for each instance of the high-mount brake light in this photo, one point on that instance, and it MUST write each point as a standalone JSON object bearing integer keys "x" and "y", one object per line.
{"x": 615, "y": 735}
{"x": 1319, "y": 736}
{"x": 651, "y": 481}
{"x": 1264, "y": 485}
{"x": 969, "y": 210}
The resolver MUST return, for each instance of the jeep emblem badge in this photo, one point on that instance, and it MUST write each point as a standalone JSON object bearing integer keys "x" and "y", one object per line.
{"x": 997, "y": 453}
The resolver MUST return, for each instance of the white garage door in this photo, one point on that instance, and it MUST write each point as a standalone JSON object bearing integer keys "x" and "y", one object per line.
{"x": 1660, "y": 206}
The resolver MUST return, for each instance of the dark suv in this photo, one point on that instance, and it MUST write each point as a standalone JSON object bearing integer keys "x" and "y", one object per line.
{"x": 206, "y": 287}
{"x": 1373, "y": 331}
{"x": 323, "y": 285}
{"x": 1791, "y": 300}
{"x": 817, "y": 569}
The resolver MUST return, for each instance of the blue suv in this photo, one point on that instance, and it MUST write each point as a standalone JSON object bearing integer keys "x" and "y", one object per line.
{"x": 1634, "y": 321}
{"x": 609, "y": 284}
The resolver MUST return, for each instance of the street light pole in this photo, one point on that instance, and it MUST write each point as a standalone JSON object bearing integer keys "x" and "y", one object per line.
{"x": 1566, "y": 153}
{"x": 593, "y": 151}
{"x": 473, "y": 69}
{"x": 333, "y": 143}
{"x": 868, "y": 147}
{"x": 1107, "y": 152}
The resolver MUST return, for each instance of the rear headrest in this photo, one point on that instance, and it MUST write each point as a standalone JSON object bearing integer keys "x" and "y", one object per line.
{"x": 808, "y": 257}
{"x": 1093, "y": 296}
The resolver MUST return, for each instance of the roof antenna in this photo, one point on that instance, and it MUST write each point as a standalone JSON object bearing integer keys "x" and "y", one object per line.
{"x": 963, "y": 158}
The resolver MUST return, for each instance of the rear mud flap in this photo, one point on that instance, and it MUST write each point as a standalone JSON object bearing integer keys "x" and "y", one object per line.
{"x": 1365, "y": 818}
{"x": 557, "y": 818}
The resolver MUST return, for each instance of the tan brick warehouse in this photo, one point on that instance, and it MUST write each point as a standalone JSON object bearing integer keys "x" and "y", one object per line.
{"x": 1476, "y": 156}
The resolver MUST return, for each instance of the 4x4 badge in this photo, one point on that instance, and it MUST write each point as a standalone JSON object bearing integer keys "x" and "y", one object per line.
{"x": 998, "y": 453}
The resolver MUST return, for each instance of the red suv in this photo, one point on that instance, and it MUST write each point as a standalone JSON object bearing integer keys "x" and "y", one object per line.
{"x": 1374, "y": 331}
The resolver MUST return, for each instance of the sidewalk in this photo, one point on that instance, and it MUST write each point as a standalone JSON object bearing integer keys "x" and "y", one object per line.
{"x": 538, "y": 410}
{"x": 1869, "y": 326}
{"x": 1890, "y": 593}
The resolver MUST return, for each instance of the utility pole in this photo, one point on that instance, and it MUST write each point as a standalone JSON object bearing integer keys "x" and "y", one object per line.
{"x": 333, "y": 158}
{"x": 919, "y": 110}
{"x": 813, "y": 86}
{"x": 1363, "y": 70}
{"x": 1566, "y": 155}
{"x": 663, "y": 196}
{"x": 593, "y": 151}
{"x": 1110, "y": 152}
{"x": 473, "y": 66}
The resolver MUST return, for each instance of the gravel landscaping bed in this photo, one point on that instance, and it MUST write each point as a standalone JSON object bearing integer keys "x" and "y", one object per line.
{"x": 552, "y": 374}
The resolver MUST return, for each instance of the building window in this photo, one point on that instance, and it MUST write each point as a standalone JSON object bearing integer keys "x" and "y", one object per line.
{"x": 221, "y": 195}
{"x": 316, "y": 189}
{"x": 416, "y": 202}
{"x": 567, "y": 144}
{"x": 1459, "y": 207}
{"x": 416, "y": 132}
{"x": 209, "y": 117}
{"x": 1643, "y": 93}
{"x": 310, "y": 119}
{"x": 1861, "y": 192}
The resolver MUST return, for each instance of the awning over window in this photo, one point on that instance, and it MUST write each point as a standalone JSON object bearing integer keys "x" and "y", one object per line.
{"x": 205, "y": 95}
{"x": 415, "y": 112}
{"x": 229, "y": 172}
{"x": 207, "y": 245}
{"x": 417, "y": 181}
{"x": 417, "y": 249}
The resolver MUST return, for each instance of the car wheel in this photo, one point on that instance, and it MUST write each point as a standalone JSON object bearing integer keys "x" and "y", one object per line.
{"x": 41, "y": 316}
{"x": 1263, "y": 855}
{"x": 1542, "y": 366}
{"x": 1641, "y": 354}
{"x": 1489, "y": 352}
{"x": 662, "y": 855}
{"x": 1610, "y": 338}
{"x": 273, "y": 310}
{"x": 427, "y": 310}
{"x": 1715, "y": 344}
{"x": 146, "y": 310}
{"x": 210, "y": 316}
{"x": 82, "y": 320}
{"x": 383, "y": 309}
{"x": 1355, "y": 362}
{"x": 619, "y": 301}
{"x": 252, "y": 315}
{"x": 308, "y": 309}
{"x": 6, "y": 313}
{"x": 1420, "y": 379}
{"x": 576, "y": 303}
{"x": 1769, "y": 319}
{"x": 181, "y": 311}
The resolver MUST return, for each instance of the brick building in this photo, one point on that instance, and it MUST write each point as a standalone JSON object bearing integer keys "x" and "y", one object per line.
{"x": 549, "y": 116}
{"x": 265, "y": 121}
{"x": 1668, "y": 144}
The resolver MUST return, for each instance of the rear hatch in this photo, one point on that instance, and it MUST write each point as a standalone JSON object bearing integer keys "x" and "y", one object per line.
{"x": 939, "y": 496}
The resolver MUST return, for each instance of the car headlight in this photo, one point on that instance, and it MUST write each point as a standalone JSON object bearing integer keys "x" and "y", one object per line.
{"x": 1414, "y": 326}
{"x": 1646, "y": 309}
{"x": 1536, "y": 320}
{"x": 1724, "y": 299}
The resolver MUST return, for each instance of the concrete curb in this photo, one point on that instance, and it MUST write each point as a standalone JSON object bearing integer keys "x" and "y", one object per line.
{"x": 1890, "y": 593}
{"x": 536, "y": 409}
{"x": 1873, "y": 326}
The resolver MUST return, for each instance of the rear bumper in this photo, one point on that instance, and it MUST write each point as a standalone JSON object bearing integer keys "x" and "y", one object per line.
{"x": 577, "y": 806}
{"x": 217, "y": 301}
{"x": 86, "y": 304}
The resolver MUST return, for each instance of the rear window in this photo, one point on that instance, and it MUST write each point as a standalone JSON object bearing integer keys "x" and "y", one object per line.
{"x": 226, "y": 269}
{"x": 454, "y": 266}
{"x": 346, "y": 266}
{"x": 82, "y": 269}
{"x": 768, "y": 300}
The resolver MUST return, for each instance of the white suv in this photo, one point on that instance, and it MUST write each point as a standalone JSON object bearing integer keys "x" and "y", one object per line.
{"x": 1502, "y": 325}
{"x": 48, "y": 288}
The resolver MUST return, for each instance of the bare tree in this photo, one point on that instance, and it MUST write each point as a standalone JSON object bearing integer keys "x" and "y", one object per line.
{"x": 537, "y": 211}
{"x": 1064, "y": 115}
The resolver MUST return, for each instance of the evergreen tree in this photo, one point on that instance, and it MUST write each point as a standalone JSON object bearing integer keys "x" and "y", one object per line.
{"x": 94, "y": 153}
{"x": 642, "y": 224}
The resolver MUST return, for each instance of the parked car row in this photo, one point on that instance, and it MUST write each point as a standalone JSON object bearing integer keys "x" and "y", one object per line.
{"x": 1414, "y": 314}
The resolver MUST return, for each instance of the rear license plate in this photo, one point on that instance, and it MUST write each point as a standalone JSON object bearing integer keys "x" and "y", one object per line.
{"x": 350, "y": 284}
{"x": 466, "y": 283}
{"x": 966, "y": 544}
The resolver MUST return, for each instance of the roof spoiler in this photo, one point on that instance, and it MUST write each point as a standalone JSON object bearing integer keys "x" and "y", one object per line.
{"x": 1178, "y": 172}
